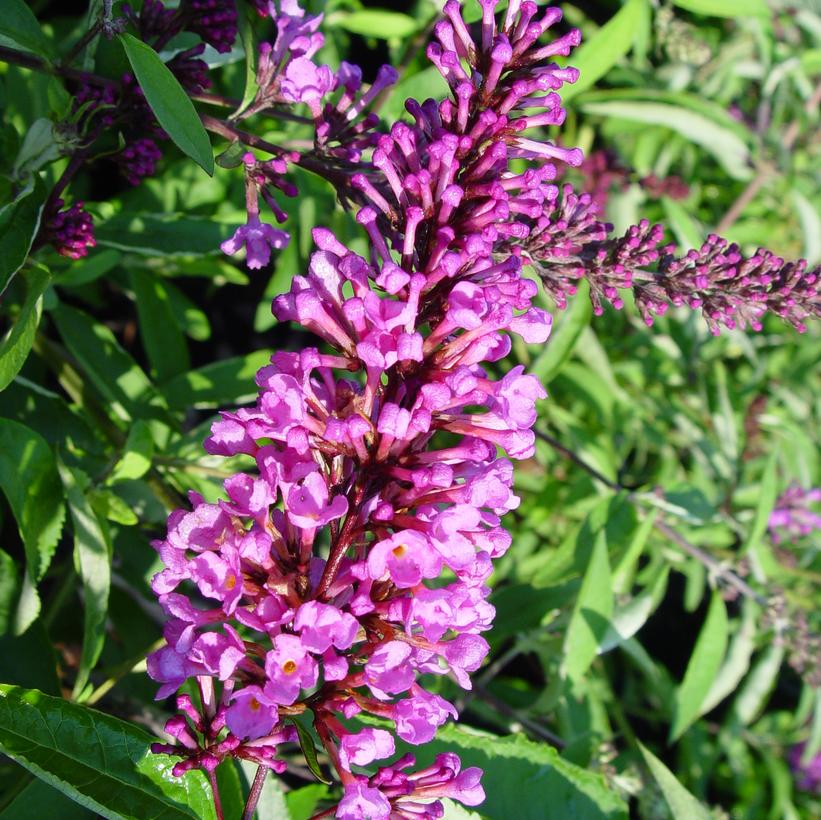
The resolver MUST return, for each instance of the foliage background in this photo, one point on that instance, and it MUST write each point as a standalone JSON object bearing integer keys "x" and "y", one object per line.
{"x": 653, "y": 650}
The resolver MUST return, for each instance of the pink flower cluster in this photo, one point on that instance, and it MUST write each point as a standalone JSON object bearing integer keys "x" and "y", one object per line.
{"x": 567, "y": 243}
{"x": 354, "y": 559}
{"x": 793, "y": 516}
{"x": 288, "y": 75}
{"x": 69, "y": 230}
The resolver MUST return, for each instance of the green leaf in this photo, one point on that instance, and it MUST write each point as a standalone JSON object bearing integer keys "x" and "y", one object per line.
{"x": 682, "y": 804}
{"x": 16, "y": 344}
{"x": 549, "y": 363}
{"x": 19, "y": 222}
{"x": 681, "y": 99}
{"x": 38, "y": 149}
{"x": 192, "y": 321}
{"x": 379, "y": 23}
{"x": 29, "y": 480}
{"x": 758, "y": 685}
{"x": 301, "y": 803}
{"x": 723, "y": 143}
{"x": 9, "y": 584}
{"x": 737, "y": 663}
{"x": 108, "y": 505}
{"x": 38, "y": 800}
{"x": 172, "y": 106}
{"x": 306, "y": 743}
{"x": 101, "y": 762}
{"x": 92, "y": 558}
{"x": 756, "y": 547}
{"x": 116, "y": 376}
{"x": 19, "y": 27}
{"x": 702, "y": 668}
{"x": 230, "y": 381}
{"x": 161, "y": 234}
{"x": 725, "y": 8}
{"x": 160, "y": 332}
{"x": 423, "y": 84}
{"x": 810, "y": 221}
{"x": 246, "y": 36}
{"x": 530, "y": 776}
{"x": 138, "y": 452}
{"x": 596, "y": 56}
{"x": 83, "y": 271}
{"x": 590, "y": 620}
{"x": 625, "y": 570}
{"x": 29, "y": 660}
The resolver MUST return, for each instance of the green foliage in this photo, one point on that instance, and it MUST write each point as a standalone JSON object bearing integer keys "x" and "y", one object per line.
{"x": 174, "y": 110}
{"x": 19, "y": 220}
{"x": 647, "y": 657}
{"x": 19, "y": 27}
{"x": 99, "y": 761}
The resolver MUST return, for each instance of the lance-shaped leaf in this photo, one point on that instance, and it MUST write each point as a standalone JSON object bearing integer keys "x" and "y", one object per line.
{"x": 596, "y": 56}
{"x": 92, "y": 557}
{"x": 590, "y": 620}
{"x": 725, "y": 8}
{"x": 682, "y": 804}
{"x": 99, "y": 761}
{"x": 702, "y": 668}
{"x": 19, "y": 221}
{"x": 15, "y": 346}
{"x": 19, "y": 27}
{"x": 171, "y": 105}
{"x": 29, "y": 480}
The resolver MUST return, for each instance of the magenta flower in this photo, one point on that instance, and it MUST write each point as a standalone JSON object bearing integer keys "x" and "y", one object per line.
{"x": 322, "y": 625}
{"x": 418, "y": 717}
{"x": 406, "y": 557}
{"x": 361, "y": 801}
{"x": 793, "y": 516}
{"x": 365, "y": 747}
{"x": 290, "y": 668}
{"x": 306, "y": 83}
{"x": 252, "y": 713}
{"x": 258, "y": 239}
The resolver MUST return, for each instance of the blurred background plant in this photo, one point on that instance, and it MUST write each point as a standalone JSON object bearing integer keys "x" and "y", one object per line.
{"x": 656, "y": 643}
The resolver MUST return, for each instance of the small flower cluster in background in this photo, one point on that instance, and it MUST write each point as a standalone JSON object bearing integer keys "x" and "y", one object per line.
{"x": 793, "y": 517}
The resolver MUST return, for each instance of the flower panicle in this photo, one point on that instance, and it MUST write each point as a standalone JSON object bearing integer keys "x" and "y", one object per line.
{"x": 354, "y": 558}
{"x": 567, "y": 243}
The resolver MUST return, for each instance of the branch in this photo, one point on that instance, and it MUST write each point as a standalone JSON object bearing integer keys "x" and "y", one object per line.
{"x": 716, "y": 567}
{"x": 765, "y": 170}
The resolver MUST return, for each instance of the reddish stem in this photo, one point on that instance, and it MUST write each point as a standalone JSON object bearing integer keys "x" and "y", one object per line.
{"x": 342, "y": 543}
{"x": 256, "y": 791}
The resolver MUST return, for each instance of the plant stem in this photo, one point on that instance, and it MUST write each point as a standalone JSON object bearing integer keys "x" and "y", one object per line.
{"x": 530, "y": 725}
{"x": 88, "y": 36}
{"x": 718, "y": 569}
{"x": 15, "y": 57}
{"x": 338, "y": 177}
{"x": 212, "y": 779}
{"x": 341, "y": 544}
{"x": 256, "y": 791}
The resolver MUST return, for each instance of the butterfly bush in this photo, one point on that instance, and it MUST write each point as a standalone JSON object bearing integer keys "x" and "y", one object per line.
{"x": 349, "y": 570}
